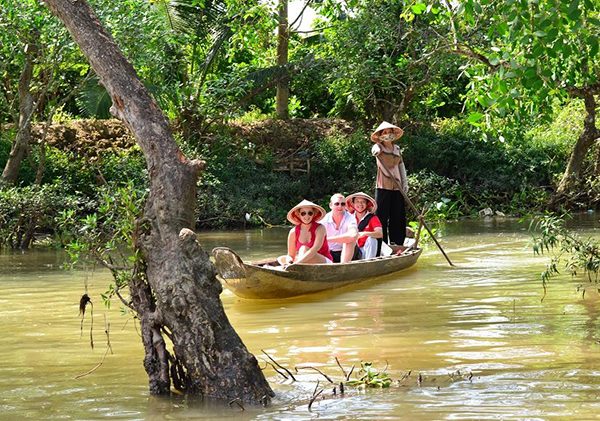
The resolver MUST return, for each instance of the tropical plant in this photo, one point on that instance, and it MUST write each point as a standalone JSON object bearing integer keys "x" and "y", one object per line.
{"x": 369, "y": 376}
{"x": 26, "y": 212}
{"x": 106, "y": 235}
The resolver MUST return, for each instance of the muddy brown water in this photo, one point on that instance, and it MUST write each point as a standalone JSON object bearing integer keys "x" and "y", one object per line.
{"x": 477, "y": 336}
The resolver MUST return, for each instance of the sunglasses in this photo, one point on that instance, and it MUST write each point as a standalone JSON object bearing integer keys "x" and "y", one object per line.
{"x": 339, "y": 204}
{"x": 310, "y": 213}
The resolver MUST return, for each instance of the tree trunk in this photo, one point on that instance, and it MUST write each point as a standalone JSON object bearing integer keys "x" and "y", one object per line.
{"x": 10, "y": 174}
{"x": 597, "y": 162}
{"x": 582, "y": 147}
{"x": 283, "y": 86}
{"x": 176, "y": 293}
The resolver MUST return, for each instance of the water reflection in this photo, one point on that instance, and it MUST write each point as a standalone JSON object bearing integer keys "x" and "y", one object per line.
{"x": 516, "y": 357}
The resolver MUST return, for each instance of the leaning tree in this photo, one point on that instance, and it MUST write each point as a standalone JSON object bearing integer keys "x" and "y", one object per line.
{"x": 174, "y": 289}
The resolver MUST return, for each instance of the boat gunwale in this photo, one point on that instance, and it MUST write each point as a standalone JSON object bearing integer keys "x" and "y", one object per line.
{"x": 263, "y": 264}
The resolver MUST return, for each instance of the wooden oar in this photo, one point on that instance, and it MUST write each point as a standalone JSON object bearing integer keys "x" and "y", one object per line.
{"x": 422, "y": 220}
{"x": 408, "y": 201}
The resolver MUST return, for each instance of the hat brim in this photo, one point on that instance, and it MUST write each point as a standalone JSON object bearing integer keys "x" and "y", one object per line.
{"x": 397, "y": 131}
{"x": 371, "y": 206}
{"x": 293, "y": 217}
{"x": 385, "y": 125}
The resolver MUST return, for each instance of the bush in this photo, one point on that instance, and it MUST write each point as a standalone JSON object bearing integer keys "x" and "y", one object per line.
{"x": 25, "y": 211}
{"x": 343, "y": 164}
{"x": 241, "y": 188}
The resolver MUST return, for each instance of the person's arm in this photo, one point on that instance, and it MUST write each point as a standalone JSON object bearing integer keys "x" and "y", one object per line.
{"x": 376, "y": 149}
{"x": 376, "y": 233}
{"x": 319, "y": 238}
{"x": 403, "y": 177}
{"x": 291, "y": 246}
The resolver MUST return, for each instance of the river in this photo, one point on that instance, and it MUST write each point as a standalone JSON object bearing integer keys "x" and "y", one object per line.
{"x": 471, "y": 342}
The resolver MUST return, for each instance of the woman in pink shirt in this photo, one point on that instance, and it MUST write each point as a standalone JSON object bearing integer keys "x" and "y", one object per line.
{"x": 307, "y": 241}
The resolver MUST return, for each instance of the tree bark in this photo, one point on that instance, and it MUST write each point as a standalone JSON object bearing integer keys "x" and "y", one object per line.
{"x": 177, "y": 292}
{"x": 283, "y": 86}
{"x": 582, "y": 147}
{"x": 20, "y": 146}
{"x": 597, "y": 164}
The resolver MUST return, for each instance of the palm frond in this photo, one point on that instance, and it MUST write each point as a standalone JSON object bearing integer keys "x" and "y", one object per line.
{"x": 190, "y": 17}
{"x": 93, "y": 100}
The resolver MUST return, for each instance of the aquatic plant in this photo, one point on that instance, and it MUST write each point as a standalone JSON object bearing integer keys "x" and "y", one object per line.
{"x": 370, "y": 377}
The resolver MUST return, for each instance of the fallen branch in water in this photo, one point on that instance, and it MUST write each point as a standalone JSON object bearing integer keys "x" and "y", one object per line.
{"x": 317, "y": 370}
{"x": 315, "y": 395}
{"x": 279, "y": 365}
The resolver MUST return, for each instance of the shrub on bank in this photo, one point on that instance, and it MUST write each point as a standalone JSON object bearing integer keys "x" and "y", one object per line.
{"x": 30, "y": 210}
{"x": 452, "y": 171}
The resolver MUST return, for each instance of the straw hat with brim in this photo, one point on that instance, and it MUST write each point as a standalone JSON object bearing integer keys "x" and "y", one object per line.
{"x": 385, "y": 125}
{"x": 295, "y": 219}
{"x": 371, "y": 205}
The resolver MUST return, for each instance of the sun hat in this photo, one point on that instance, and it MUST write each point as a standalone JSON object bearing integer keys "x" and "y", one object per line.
{"x": 294, "y": 219}
{"x": 372, "y": 205}
{"x": 385, "y": 125}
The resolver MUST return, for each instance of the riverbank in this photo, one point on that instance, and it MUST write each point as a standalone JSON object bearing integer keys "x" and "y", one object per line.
{"x": 256, "y": 171}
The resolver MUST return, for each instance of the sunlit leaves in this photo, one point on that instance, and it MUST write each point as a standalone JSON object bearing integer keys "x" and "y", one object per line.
{"x": 545, "y": 46}
{"x": 576, "y": 254}
{"x": 380, "y": 52}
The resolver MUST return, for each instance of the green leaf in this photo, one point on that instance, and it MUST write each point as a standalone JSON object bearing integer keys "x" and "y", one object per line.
{"x": 539, "y": 34}
{"x": 574, "y": 11}
{"x": 419, "y": 8}
{"x": 593, "y": 43}
{"x": 474, "y": 118}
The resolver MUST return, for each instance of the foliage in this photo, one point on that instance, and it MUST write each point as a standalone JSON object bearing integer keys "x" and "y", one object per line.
{"x": 236, "y": 184}
{"x": 439, "y": 197}
{"x": 381, "y": 63}
{"x": 27, "y": 27}
{"x": 107, "y": 236}
{"x": 25, "y": 211}
{"x": 527, "y": 54}
{"x": 576, "y": 254}
{"x": 345, "y": 162}
{"x": 370, "y": 377}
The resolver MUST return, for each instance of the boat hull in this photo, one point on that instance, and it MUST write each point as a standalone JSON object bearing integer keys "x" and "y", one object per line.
{"x": 262, "y": 281}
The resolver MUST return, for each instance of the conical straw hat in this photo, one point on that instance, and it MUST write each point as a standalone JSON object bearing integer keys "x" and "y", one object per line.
{"x": 371, "y": 206}
{"x": 294, "y": 219}
{"x": 385, "y": 125}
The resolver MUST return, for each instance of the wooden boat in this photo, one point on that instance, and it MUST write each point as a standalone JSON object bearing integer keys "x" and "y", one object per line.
{"x": 265, "y": 279}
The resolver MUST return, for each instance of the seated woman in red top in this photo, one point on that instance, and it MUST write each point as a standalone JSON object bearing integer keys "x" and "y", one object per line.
{"x": 307, "y": 241}
{"x": 370, "y": 231}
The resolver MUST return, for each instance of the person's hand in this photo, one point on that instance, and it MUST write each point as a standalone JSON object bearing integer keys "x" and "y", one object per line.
{"x": 375, "y": 150}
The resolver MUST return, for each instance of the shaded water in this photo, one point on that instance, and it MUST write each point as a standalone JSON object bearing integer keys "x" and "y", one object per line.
{"x": 483, "y": 343}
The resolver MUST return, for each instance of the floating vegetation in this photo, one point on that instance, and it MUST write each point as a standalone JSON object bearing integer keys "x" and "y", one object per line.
{"x": 370, "y": 377}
